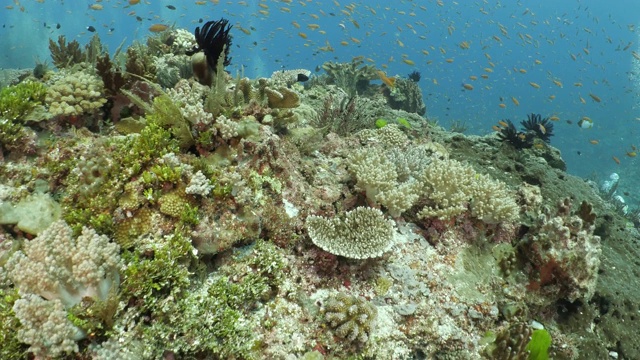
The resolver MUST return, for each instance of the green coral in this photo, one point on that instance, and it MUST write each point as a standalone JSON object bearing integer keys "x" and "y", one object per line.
{"x": 156, "y": 269}
{"x": 19, "y": 100}
{"x": 212, "y": 320}
{"x": 12, "y": 134}
{"x": 11, "y": 347}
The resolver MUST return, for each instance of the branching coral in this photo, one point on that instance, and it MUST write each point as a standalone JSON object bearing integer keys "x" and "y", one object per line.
{"x": 361, "y": 233}
{"x": 64, "y": 54}
{"x": 453, "y": 187}
{"x": 351, "y": 317}
{"x": 287, "y": 78}
{"x": 390, "y": 178}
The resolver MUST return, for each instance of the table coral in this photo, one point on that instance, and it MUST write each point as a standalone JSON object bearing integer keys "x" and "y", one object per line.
{"x": 360, "y": 234}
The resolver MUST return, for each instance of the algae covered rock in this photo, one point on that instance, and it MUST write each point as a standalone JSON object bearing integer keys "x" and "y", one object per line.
{"x": 31, "y": 215}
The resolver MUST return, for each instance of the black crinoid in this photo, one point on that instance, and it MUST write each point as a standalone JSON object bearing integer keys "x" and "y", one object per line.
{"x": 519, "y": 139}
{"x": 414, "y": 76}
{"x": 213, "y": 39}
{"x": 542, "y": 127}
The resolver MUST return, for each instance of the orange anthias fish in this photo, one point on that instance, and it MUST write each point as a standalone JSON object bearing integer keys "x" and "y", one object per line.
{"x": 158, "y": 28}
{"x": 389, "y": 81}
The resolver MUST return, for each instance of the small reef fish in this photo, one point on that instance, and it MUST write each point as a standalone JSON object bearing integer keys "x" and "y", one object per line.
{"x": 595, "y": 98}
{"x": 158, "y": 28}
{"x": 585, "y": 123}
{"x": 616, "y": 160}
{"x": 389, "y": 81}
{"x": 467, "y": 86}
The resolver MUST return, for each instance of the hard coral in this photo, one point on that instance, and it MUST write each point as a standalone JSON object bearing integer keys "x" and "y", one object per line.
{"x": 75, "y": 93}
{"x": 360, "y": 234}
{"x": 351, "y": 317}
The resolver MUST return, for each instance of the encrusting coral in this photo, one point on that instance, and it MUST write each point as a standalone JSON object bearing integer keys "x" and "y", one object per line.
{"x": 564, "y": 252}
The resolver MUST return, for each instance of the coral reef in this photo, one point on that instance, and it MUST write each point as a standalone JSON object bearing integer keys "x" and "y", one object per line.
{"x": 244, "y": 228}
{"x": 54, "y": 273}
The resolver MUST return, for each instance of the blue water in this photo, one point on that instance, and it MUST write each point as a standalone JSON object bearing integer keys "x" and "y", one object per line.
{"x": 595, "y": 32}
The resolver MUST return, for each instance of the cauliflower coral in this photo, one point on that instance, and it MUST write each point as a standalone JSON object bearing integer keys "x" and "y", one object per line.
{"x": 53, "y": 273}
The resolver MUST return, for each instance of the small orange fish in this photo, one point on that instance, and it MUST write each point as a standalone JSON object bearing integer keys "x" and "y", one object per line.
{"x": 408, "y": 62}
{"x": 502, "y": 106}
{"x": 554, "y": 118}
{"x": 534, "y": 85}
{"x": 134, "y": 2}
{"x": 595, "y": 98}
{"x": 158, "y": 28}
{"x": 495, "y": 128}
{"x": 631, "y": 154}
{"x": 503, "y": 123}
{"x": 467, "y": 86}
{"x": 389, "y": 81}
{"x": 616, "y": 160}
{"x": 515, "y": 101}
{"x": 594, "y": 142}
